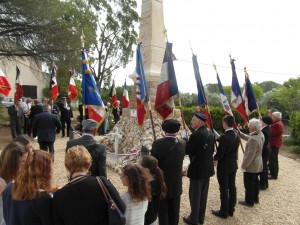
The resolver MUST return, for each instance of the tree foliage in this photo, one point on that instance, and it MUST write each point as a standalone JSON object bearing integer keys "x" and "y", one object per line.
{"x": 116, "y": 36}
{"x": 267, "y": 85}
{"x": 44, "y": 30}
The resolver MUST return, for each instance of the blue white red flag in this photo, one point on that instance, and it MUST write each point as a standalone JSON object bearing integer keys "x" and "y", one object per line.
{"x": 224, "y": 100}
{"x": 202, "y": 102}
{"x": 113, "y": 95}
{"x": 236, "y": 94}
{"x": 167, "y": 85}
{"x": 72, "y": 92}
{"x": 19, "y": 87}
{"x": 249, "y": 96}
{"x": 90, "y": 93}
{"x": 4, "y": 84}
{"x": 53, "y": 83}
{"x": 125, "y": 97}
{"x": 142, "y": 94}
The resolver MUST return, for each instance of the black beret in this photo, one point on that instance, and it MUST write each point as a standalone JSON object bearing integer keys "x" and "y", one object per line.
{"x": 267, "y": 120}
{"x": 200, "y": 116}
{"x": 170, "y": 126}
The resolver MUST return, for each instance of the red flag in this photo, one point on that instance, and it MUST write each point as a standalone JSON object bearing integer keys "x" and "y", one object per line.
{"x": 72, "y": 87}
{"x": 53, "y": 83}
{"x": 19, "y": 88}
{"x": 113, "y": 95}
{"x": 125, "y": 98}
{"x": 4, "y": 84}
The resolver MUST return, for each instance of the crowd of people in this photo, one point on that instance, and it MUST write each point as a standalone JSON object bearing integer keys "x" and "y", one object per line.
{"x": 153, "y": 185}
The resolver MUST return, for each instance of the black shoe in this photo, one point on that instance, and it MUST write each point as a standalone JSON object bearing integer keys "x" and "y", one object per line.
{"x": 230, "y": 213}
{"x": 272, "y": 178}
{"x": 256, "y": 201}
{"x": 244, "y": 203}
{"x": 220, "y": 214}
{"x": 262, "y": 187}
{"x": 186, "y": 219}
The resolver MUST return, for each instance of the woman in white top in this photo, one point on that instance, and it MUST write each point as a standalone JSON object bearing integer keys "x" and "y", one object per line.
{"x": 137, "y": 195}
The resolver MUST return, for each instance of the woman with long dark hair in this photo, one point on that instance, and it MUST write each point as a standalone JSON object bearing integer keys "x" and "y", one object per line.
{"x": 154, "y": 176}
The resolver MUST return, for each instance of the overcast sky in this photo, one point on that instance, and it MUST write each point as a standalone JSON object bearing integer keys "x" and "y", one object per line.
{"x": 262, "y": 35}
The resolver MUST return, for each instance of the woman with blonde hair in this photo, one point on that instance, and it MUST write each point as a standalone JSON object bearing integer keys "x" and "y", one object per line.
{"x": 27, "y": 199}
{"x": 137, "y": 195}
{"x": 81, "y": 201}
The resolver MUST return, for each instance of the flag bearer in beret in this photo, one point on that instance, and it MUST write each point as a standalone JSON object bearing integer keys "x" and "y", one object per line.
{"x": 227, "y": 155}
{"x": 169, "y": 151}
{"x": 266, "y": 130}
{"x": 200, "y": 148}
{"x": 275, "y": 143}
{"x": 96, "y": 149}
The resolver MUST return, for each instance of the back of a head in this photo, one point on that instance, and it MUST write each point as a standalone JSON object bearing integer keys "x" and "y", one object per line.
{"x": 10, "y": 160}
{"x": 137, "y": 186}
{"x": 36, "y": 102}
{"x": 23, "y": 139}
{"x": 229, "y": 120}
{"x": 46, "y": 108}
{"x": 35, "y": 175}
{"x": 77, "y": 159}
{"x": 256, "y": 123}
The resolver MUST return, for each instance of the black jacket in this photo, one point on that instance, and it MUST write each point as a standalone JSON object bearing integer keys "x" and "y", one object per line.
{"x": 97, "y": 151}
{"x": 227, "y": 151}
{"x": 266, "y": 147}
{"x": 45, "y": 125}
{"x": 170, "y": 154}
{"x": 201, "y": 157}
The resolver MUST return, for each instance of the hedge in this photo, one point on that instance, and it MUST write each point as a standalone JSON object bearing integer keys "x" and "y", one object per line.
{"x": 294, "y": 123}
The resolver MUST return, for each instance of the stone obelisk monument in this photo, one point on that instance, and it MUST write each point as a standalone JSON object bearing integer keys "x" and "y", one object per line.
{"x": 152, "y": 36}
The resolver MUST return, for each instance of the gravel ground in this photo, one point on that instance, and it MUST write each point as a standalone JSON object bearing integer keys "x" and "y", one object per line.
{"x": 280, "y": 204}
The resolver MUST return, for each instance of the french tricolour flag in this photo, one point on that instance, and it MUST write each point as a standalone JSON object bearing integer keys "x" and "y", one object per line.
{"x": 125, "y": 98}
{"x": 167, "y": 85}
{"x": 72, "y": 92}
{"x": 4, "y": 84}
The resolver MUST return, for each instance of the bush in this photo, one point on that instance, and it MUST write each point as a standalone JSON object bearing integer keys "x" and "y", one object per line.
{"x": 294, "y": 124}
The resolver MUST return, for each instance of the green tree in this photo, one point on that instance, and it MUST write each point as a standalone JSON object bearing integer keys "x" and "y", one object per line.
{"x": 116, "y": 35}
{"x": 44, "y": 30}
{"x": 267, "y": 85}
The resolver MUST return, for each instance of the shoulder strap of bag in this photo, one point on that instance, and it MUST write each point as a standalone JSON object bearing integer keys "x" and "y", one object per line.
{"x": 103, "y": 189}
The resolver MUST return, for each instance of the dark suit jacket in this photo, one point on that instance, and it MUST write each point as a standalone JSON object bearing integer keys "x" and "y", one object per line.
{"x": 97, "y": 152}
{"x": 170, "y": 154}
{"x": 45, "y": 125}
{"x": 201, "y": 158}
{"x": 266, "y": 147}
{"x": 66, "y": 114}
{"x": 14, "y": 116}
{"x": 36, "y": 109}
{"x": 227, "y": 152}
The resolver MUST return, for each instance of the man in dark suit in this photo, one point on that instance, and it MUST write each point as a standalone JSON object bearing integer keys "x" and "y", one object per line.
{"x": 200, "y": 149}
{"x": 66, "y": 115}
{"x": 36, "y": 109}
{"x": 96, "y": 149}
{"x": 45, "y": 125}
{"x": 169, "y": 151}
{"x": 54, "y": 107}
{"x": 226, "y": 156}
{"x": 266, "y": 130}
{"x": 16, "y": 119}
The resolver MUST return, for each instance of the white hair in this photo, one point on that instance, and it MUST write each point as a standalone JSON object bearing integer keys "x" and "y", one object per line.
{"x": 255, "y": 123}
{"x": 277, "y": 115}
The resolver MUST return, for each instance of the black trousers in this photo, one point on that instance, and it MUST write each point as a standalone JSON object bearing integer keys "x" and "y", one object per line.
{"x": 198, "y": 198}
{"x": 263, "y": 176}
{"x": 227, "y": 190}
{"x": 63, "y": 126}
{"x": 47, "y": 146}
{"x": 251, "y": 185}
{"x": 15, "y": 130}
{"x": 169, "y": 210}
{"x": 273, "y": 162}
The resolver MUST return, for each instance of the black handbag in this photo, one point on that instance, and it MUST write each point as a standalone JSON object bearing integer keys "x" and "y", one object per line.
{"x": 115, "y": 216}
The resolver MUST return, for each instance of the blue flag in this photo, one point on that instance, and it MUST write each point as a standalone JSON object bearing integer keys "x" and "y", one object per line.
{"x": 249, "y": 96}
{"x": 142, "y": 95}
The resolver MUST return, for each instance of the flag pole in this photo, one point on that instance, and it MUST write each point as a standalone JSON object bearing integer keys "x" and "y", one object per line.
{"x": 83, "y": 89}
{"x": 215, "y": 67}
